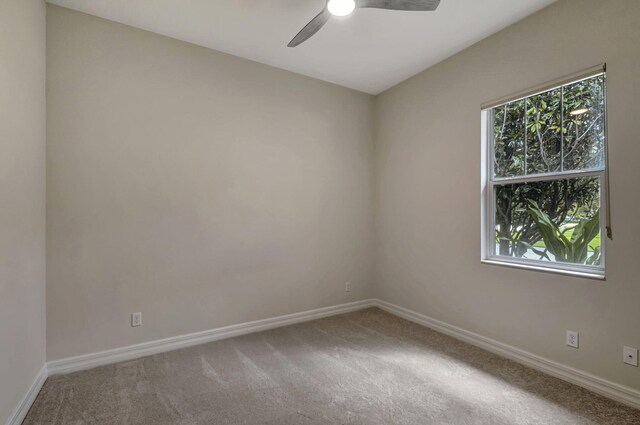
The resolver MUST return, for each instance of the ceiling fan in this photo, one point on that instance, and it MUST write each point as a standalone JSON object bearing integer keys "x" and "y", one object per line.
{"x": 346, "y": 7}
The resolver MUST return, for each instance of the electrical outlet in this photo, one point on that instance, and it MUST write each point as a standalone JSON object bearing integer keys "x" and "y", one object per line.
{"x": 347, "y": 287}
{"x": 572, "y": 339}
{"x": 630, "y": 355}
{"x": 136, "y": 319}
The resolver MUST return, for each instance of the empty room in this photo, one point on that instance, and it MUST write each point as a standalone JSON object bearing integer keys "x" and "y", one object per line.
{"x": 298, "y": 212}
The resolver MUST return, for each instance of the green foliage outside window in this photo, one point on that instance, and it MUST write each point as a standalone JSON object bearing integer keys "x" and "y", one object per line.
{"x": 561, "y": 130}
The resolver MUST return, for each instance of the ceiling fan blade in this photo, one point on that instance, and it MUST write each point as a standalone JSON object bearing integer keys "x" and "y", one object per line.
{"x": 411, "y": 5}
{"x": 311, "y": 28}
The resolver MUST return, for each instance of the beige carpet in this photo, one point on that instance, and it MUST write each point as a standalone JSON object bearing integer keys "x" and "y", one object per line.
{"x": 366, "y": 367}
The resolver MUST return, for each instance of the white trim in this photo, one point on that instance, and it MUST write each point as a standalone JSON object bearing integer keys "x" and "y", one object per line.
{"x": 561, "y": 175}
{"x": 486, "y": 168}
{"x": 21, "y": 410}
{"x": 617, "y": 392}
{"x": 490, "y": 182}
{"x": 556, "y": 268}
{"x": 620, "y": 393}
{"x": 87, "y": 361}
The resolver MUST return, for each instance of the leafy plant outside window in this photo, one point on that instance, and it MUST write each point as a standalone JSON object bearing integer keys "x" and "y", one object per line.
{"x": 547, "y": 172}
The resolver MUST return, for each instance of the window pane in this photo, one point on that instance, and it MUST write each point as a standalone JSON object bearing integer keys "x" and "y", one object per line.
{"x": 508, "y": 130}
{"x": 544, "y": 127}
{"x": 584, "y": 124}
{"x": 555, "y": 220}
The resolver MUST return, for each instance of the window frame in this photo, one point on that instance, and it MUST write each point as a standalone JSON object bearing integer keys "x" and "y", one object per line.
{"x": 489, "y": 182}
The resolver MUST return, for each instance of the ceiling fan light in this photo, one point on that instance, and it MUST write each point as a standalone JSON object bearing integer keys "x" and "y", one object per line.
{"x": 341, "y": 7}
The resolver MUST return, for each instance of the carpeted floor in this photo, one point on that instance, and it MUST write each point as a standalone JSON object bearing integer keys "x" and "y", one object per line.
{"x": 367, "y": 367}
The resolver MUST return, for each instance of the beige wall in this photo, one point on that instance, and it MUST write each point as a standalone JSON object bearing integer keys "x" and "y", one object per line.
{"x": 428, "y": 191}
{"x": 205, "y": 190}
{"x": 196, "y": 187}
{"x": 22, "y": 198}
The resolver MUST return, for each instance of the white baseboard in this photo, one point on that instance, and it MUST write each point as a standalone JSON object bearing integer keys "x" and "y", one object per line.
{"x": 20, "y": 412}
{"x": 623, "y": 394}
{"x": 88, "y": 361}
{"x": 617, "y": 392}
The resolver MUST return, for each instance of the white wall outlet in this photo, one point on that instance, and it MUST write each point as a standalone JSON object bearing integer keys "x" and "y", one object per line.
{"x": 347, "y": 287}
{"x": 572, "y": 339}
{"x": 136, "y": 319}
{"x": 630, "y": 356}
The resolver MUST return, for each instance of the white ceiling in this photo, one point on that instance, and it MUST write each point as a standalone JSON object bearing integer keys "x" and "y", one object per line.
{"x": 370, "y": 50}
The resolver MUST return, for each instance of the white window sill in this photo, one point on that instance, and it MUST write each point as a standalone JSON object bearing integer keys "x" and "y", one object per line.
{"x": 595, "y": 274}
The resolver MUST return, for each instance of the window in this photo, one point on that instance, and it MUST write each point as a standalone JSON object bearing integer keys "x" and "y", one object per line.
{"x": 544, "y": 177}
